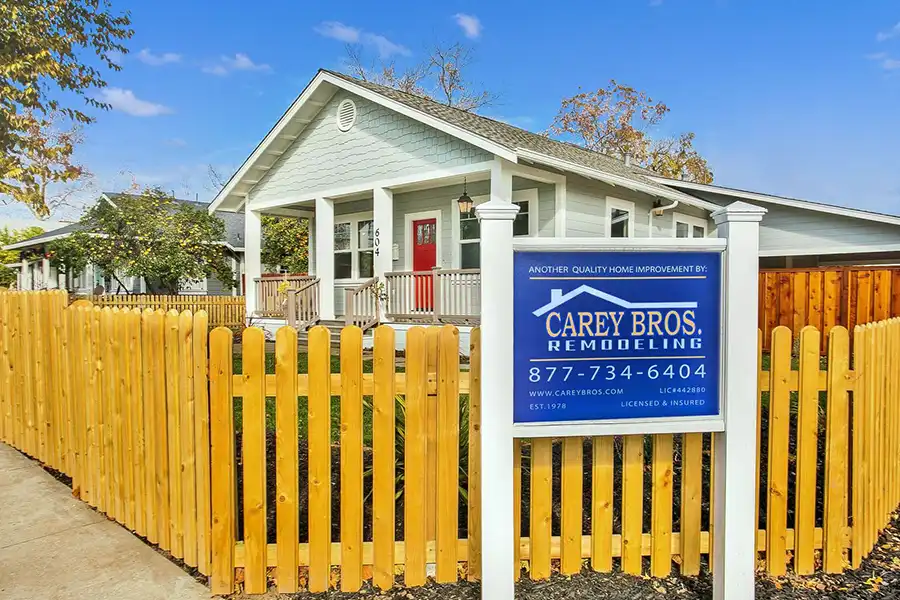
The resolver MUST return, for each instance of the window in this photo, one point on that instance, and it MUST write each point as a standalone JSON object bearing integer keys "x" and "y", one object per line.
{"x": 689, "y": 227}
{"x": 468, "y": 228}
{"x": 354, "y": 245}
{"x": 619, "y": 218}
{"x": 343, "y": 254}
{"x": 366, "y": 248}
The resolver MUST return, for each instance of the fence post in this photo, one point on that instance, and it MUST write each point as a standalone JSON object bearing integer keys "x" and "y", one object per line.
{"x": 498, "y": 530}
{"x": 735, "y": 553}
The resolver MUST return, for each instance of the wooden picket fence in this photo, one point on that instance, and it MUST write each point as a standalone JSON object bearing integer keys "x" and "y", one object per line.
{"x": 223, "y": 311}
{"x": 826, "y": 297}
{"x": 373, "y": 472}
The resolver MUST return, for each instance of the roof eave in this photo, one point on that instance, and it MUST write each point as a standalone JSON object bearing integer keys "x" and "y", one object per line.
{"x": 614, "y": 179}
{"x": 227, "y": 193}
{"x": 781, "y": 200}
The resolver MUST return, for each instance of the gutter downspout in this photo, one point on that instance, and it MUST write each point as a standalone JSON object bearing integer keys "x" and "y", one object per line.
{"x": 660, "y": 210}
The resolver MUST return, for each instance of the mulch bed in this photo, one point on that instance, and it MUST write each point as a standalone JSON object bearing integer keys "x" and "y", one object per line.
{"x": 877, "y": 578}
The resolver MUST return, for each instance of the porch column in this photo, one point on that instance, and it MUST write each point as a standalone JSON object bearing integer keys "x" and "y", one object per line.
{"x": 496, "y": 218}
{"x": 383, "y": 208}
{"x": 325, "y": 256}
{"x": 45, "y": 273}
{"x": 23, "y": 275}
{"x": 311, "y": 247}
{"x": 252, "y": 256}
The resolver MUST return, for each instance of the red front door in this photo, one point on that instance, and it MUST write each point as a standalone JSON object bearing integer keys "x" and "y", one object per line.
{"x": 424, "y": 234}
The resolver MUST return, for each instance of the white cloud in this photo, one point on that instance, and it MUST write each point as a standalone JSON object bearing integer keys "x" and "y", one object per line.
{"x": 239, "y": 62}
{"x": 157, "y": 60}
{"x": 176, "y": 142}
{"x": 126, "y": 102}
{"x": 886, "y": 62}
{"x": 115, "y": 57}
{"x": 353, "y": 35}
{"x": 890, "y": 33}
{"x": 338, "y": 31}
{"x": 471, "y": 25}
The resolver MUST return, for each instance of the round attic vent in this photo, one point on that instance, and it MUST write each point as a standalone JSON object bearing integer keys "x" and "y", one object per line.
{"x": 346, "y": 114}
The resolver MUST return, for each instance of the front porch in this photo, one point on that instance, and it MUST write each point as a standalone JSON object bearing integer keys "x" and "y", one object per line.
{"x": 405, "y": 253}
{"x": 434, "y": 297}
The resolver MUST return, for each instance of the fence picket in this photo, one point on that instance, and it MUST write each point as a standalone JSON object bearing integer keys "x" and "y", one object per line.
{"x": 836, "y": 451}
{"x": 779, "y": 433}
{"x": 632, "y": 502}
{"x": 202, "y": 439}
{"x": 414, "y": 458}
{"x": 517, "y": 509}
{"x": 188, "y": 461}
{"x": 173, "y": 424}
{"x": 602, "y": 503}
{"x": 661, "y": 507}
{"x": 807, "y": 450}
{"x": 448, "y": 455}
{"x": 474, "y": 479}
{"x": 287, "y": 490}
{"x": 223, "y": 483}
{"x": 319, "y": 453}
{"x": 541, "y": 506}
{"x": 254, "y": 459}
{"x": 691, "y": 501}
{"x": 571, "y": 505}
{"x": 383, "y": 458}
{"x": 351, "y": 459}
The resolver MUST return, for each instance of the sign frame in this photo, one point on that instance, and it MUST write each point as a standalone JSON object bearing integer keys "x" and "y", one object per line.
{"x": 627, "y": 426}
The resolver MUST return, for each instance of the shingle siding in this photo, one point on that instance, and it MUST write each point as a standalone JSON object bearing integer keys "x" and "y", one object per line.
{"x": 381, "y": 144}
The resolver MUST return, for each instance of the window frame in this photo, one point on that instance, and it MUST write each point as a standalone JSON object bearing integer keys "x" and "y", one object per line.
{"x": 691, "y": 222}
{"x": 353, "y": 219}
{"x": 619, "y": 204}
{"x": 529, "y": 195}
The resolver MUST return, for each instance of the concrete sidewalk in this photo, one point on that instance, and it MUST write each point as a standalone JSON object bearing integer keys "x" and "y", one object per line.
{"x": 53, "y": 546}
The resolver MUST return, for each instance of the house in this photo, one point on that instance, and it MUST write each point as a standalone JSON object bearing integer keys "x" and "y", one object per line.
{"x": 36, "y": 272}
{"x": 388, "y": 181}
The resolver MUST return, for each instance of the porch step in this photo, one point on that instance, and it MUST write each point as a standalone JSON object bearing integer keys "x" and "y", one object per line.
{"x": 334, "y": 326}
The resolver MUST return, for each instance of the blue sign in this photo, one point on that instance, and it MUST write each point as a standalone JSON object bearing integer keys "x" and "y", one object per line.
{"x": 616, "y": 335}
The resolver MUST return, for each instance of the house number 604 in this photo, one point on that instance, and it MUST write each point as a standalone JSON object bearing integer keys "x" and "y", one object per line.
{"x": 377, "y": 242}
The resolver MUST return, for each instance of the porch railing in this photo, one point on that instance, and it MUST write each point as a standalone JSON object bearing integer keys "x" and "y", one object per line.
{"x": 303, "y": 305}
{"x": 361, "y": 306}
{"x": 437, "y": 296}
{"x": 270, "y": 302}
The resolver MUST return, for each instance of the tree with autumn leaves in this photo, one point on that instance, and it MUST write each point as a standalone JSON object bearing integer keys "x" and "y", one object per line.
{"x": 619, "y": 120}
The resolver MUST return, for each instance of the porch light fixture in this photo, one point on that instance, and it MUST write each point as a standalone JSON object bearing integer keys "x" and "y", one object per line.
{"x": 464, "y": 202}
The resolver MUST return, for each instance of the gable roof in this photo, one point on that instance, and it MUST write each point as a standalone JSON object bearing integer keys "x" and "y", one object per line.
{"x": 557, "y": 299}
{"x": 234, "y": 226}
{"x": 496, "y": 137}
{"x": 854, "y": 213}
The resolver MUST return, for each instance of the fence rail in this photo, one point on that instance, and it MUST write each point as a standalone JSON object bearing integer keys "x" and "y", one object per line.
{"x": 223, "y": 311}
{"x": 826, "y": 297}
{"x": 123, "y": 402}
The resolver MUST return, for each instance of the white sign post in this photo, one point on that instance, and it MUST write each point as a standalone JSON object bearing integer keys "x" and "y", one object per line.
{"x": 735, "y": 530}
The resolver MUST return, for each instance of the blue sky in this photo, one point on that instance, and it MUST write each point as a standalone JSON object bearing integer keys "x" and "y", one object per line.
{"x": 792, "y": 98}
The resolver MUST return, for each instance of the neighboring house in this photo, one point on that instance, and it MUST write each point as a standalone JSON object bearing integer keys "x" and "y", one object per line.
{"x": 380, "y": 174}
{"x": 36, "y": 273}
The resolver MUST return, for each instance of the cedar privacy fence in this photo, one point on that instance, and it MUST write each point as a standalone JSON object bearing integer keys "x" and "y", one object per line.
{"x": 222, "y": 311}
{"x": 351, "y": 470}
{"x": 826, "y": 297}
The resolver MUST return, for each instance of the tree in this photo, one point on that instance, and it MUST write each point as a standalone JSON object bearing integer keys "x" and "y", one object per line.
{"x": 11, "y": 236}
{"x": 285, "y": 240}
{"x": 153, "y": 236}
{"x": 617, "y": 121}
{"x": 70, "y": 255}
{"x": 441, "y": 76}
{"x": 285, "y": 243}
{"x": 46, "y": 159}
{"x": 43, "y": 63}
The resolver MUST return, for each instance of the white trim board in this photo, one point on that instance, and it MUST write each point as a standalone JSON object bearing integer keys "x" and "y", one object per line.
{"x": 829, "y": 250}
{"x": 781, "y": 200}
{"x": 408, "y": 219}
